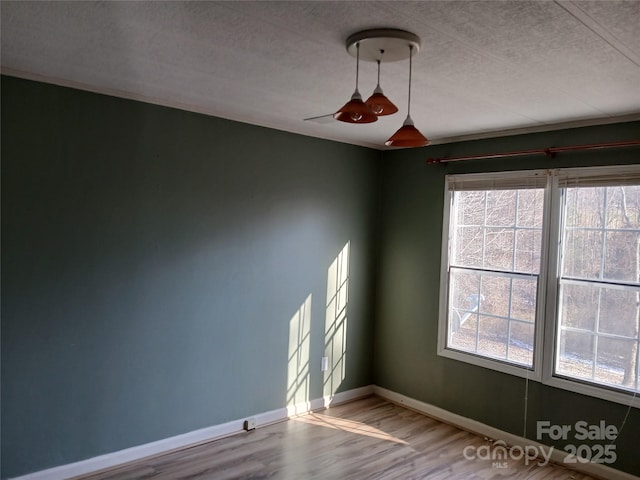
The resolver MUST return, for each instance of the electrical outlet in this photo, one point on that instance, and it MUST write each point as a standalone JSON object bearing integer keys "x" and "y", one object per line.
{"x": 324, "y": 364}
{"x": 249, "y": 424}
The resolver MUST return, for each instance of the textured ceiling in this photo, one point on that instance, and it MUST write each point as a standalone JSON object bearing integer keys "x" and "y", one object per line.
{"x": 485, "y": 68}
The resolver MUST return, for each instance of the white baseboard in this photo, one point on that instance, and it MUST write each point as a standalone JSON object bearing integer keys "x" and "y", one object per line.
{"x": 208, "y": 434}
{"x": 473, "y": 426}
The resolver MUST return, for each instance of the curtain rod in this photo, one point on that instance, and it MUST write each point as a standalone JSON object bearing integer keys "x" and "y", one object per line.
{"x": 549, "y": 152}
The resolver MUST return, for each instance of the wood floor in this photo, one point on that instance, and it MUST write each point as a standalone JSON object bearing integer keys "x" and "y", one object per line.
{"x": 365, "y": 439}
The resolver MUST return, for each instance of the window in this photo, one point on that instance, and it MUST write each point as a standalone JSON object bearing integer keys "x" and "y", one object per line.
{"x": 541, "y": 276}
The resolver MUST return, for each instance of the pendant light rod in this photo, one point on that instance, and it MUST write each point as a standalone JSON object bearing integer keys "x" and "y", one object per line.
{"x": 373, "y": 45}
{"x": 410, "y": 70}
{"x": 357, "y": 63}
{"x": 408, "y": 135}
{"x": 392, "y": 43}
{"x": 355, "y": 110}
{"x": 378, "y": 62}
{"x": 378, "y": 101}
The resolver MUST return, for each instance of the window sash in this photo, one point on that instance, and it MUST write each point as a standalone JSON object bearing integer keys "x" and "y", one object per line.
{"x": 555, "y": 375}
{"x": 534, "y": 179}
{"x": 479, "y": 314}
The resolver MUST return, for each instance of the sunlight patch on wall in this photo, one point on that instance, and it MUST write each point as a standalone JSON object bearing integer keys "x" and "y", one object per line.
{"x": 298, "y": 358}
{"x": 335, "y": 331}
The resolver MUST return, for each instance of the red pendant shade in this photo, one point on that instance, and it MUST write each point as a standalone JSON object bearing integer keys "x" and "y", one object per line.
{"x": 407, "y": 136}
{"x": 355, "y": 111}
{"x": 378, "y": 102}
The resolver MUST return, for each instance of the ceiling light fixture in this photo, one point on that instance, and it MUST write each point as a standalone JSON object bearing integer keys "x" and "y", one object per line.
{"x": 378, "y": 102}
{"x": 408, "y": 135}
{"x": 371, "y": 45}
{"x": 355, "y": 110}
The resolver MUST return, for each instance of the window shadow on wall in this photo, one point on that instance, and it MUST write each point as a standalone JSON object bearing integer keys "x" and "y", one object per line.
{"x": 335, "y": 330}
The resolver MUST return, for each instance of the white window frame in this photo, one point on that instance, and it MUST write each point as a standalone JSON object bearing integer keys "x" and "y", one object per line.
{"x": 523, "y": 179}
{"x": 546, "y": 320}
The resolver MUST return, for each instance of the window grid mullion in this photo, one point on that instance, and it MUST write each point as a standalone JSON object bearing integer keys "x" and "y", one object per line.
{"x": 596, "y": 331}
{"x": 497, "y": 273}
{"x": 484, "y": 249}
{"x": 603, "y": 335}
{"x": 603, "y": 246}
{"x": 597, "y": 229}
{"x": 478, "y": 313}
{"x": 509, "y": 315}
{"x": 604, "y": 235}
{"x": 513, "y": 267}
{"x": 515, "y": 233}
{"x": 453, "y": 236}
{"x": 602, "y": 284}
{"x": 484, "y": 230}
{"x": 515, "y": 320}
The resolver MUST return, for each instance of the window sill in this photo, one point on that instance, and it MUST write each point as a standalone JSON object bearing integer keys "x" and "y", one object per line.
{"x": 492, "y": 364}
{"x": 604, "y": 393}
{"x": 574, "y": 386}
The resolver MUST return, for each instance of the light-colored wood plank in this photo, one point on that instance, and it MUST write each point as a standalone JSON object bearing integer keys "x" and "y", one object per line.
{"x": 366, "y": 439}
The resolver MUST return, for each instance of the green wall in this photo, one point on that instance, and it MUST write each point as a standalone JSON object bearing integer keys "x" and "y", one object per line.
{"x": 152, "y": 260}
{"x": 405, "y": 344}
